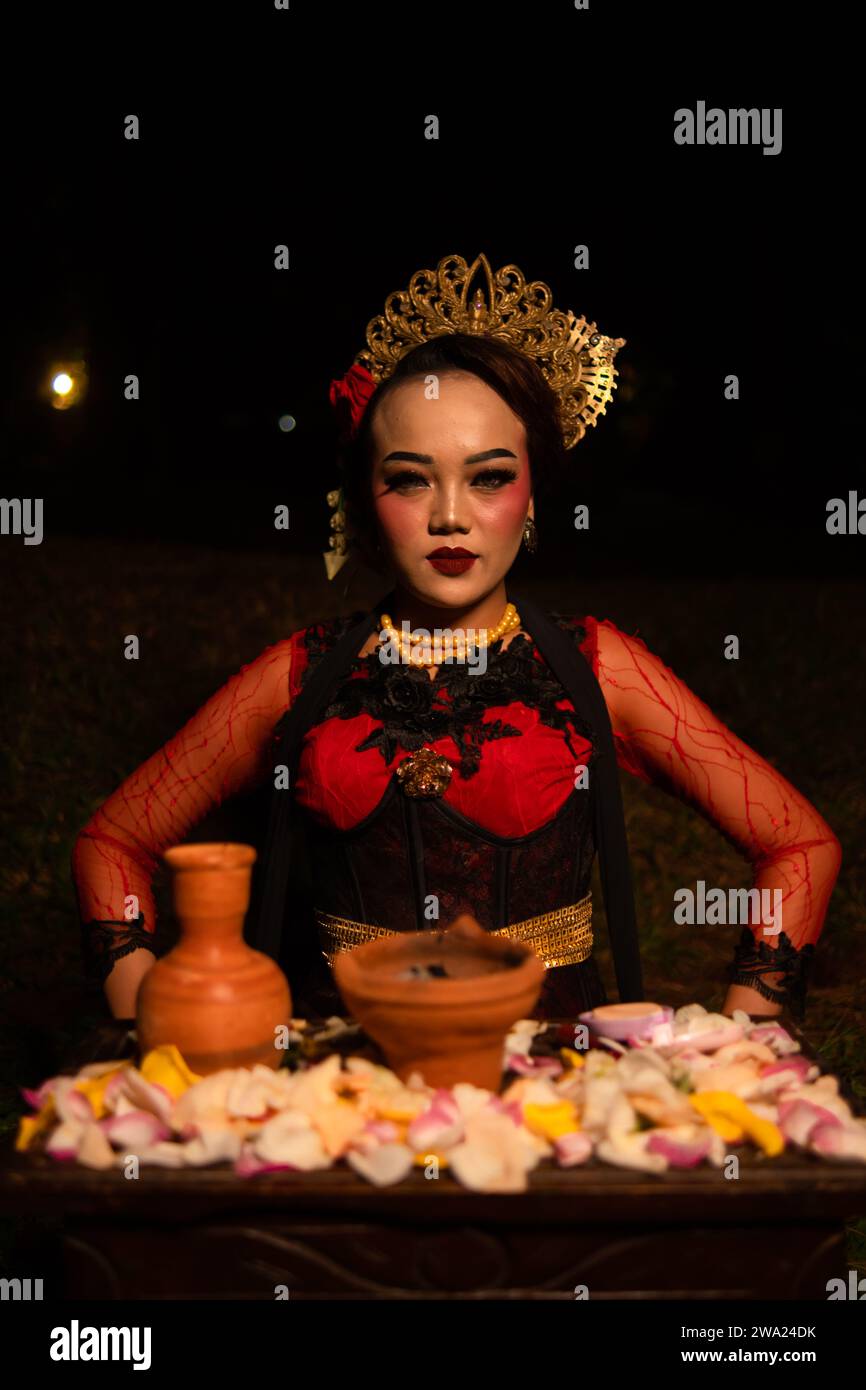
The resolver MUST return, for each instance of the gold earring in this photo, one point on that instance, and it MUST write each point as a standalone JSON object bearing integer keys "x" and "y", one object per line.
{"x": 530, "y": 535}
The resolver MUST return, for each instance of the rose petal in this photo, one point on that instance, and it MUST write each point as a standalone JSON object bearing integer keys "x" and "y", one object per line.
{"x": 511, "y": 1108}
{"x": 135, "y": 1130}
{"x": 94, "y": 1150}
{"x": 141, "y": 1094}
{"x": 163, "y": 1154}
{"x": 69, "y": 1102}
{"x": 63, "y": 1142}
{"x": 248, "y": 1166}
{"x": 338, "y": 1123}
{"x": 164, "y": 1066}
{"x": 258, "y": 1090}
{"x": 573, "y": 1148}
{"x": 374, "y": 1134}
{"x": 212, "y": 1145}
{"x": 533, "y": 1066}
{"x": 840, "y": 1141}
{"x": 384, "y": 1165}
{"x": 798, "y": 1119}
{"x": 290, "y": 1137}
{"x": 496, "y": 1155}
{"x": 439, "y": 1126}
{"x": 679, "y": 1153}
{"x": 776, "y": 1037}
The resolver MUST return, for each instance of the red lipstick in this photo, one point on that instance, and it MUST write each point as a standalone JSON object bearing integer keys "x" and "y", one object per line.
{"x": 451, "y": 559}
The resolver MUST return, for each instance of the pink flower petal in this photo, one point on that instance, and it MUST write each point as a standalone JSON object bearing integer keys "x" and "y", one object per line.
{"x": 691, "y": 1036}
{"x": 513, "y": 1108}
{"x": 63, "y": 1142}
{"x": 533, "y": 1066}
{"x": 439, "y": 1126}
{"x": 679, "y": 1153}
{"x": 776, "y": 1037}
{"x": 798, "y": 1066}
{"x": 248, "y": 1166}
{"x": 39, "y": 1096}
{"x": 374, "y": 1134}
{"x": 572, "y": 1148}
{"x": 840, "y": 1141}
{"x": 135, "y": 1130}
{"x": 496, "y": 1155}
{"x": 69, "y": 1103}
{"x": 799, "y": 1118}
{"x": 144, "y": 1095}
{"x": 94, "y": 1150}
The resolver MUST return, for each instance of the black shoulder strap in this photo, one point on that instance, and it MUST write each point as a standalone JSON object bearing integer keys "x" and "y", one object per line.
{"x": 576, "y": 677}
{"x": 268, "y": 918}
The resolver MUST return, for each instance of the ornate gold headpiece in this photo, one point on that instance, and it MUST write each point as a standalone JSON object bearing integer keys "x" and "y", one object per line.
{"x": 575, "y": 359}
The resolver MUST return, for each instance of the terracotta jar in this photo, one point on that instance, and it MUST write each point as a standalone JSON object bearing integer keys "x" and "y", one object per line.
{"x": 219, "y": 1001}
{"x": 448, "y": 1026}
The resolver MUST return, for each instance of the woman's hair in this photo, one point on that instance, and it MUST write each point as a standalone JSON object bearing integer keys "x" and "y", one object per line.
{"x": 507, "y": 370}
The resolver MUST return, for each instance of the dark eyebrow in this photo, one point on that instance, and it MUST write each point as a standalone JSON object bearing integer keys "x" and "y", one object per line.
{"x": 405, "y": 457}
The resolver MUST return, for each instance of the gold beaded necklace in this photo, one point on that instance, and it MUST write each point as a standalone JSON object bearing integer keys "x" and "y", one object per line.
{"x": 411, "y": 647}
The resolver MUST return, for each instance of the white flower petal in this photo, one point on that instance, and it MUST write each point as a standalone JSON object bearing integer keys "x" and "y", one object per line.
{"x": 291, "y": 1138}
{"x": 384, "y": 1165}
{"x": 94, "y": 1150}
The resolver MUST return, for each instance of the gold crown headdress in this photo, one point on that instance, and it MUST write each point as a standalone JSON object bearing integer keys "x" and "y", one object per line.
{"x": 575, "y": 359}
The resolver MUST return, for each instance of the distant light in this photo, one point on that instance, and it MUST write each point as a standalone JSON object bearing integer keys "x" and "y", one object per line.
{"x": 65, "y": 384}
{"x": 287, "y": 422}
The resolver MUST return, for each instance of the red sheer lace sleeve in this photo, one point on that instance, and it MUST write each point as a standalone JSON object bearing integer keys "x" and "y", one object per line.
{"x": 224, "y": 749}
{"x": 667, "y": 736}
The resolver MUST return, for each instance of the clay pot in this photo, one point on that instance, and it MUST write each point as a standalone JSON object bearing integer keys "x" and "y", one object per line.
{"x": 450, "y": 1029}
{"x": 219, "y": 1001}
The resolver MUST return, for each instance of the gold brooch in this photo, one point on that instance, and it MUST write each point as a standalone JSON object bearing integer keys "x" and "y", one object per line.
{"x": 424, "y": 773}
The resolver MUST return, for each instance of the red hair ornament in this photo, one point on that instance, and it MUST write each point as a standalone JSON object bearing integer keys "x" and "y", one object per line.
{"x": 349, "y": 396}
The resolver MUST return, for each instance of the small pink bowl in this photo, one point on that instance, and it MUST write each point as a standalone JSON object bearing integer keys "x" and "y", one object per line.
{"x": 621, "y": 1022}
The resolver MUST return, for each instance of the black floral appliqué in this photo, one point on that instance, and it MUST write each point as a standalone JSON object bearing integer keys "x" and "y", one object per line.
{"x": 414, "y": 710}
{"x": 753, "y": 959}
{"x": 105, "y": 941}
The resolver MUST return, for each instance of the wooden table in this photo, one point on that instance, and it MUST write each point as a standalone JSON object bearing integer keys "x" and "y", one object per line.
{"x": 776, "y": 1232}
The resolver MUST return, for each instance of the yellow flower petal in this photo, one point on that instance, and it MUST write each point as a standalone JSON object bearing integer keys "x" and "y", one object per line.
{"x": 720, "y": 1106}
{"x": 399, "y": 1115}
{"x": 338, "y": 1123}
{"x": 422, "y": 1159}
{"x": 31, "y": 1126}
{"x": 164, "y": 1066}
{"x": 551, "y": 1121}
{"x": 93, "y": 1087}
{"x": 723, "y": 1125}
{"x": 570, "y": 1057}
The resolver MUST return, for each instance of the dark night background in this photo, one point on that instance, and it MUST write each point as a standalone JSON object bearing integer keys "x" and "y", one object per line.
{"x": 706, "y": 516}
{"x": 156, "y": 258}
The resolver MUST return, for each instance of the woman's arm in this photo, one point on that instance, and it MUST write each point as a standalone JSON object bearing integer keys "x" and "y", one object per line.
{"x": 669, "y": 737}
{"x": 224, "y": 749}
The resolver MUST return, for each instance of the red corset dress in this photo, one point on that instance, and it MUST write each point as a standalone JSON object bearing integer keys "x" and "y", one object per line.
{"x": 510, "y": 837}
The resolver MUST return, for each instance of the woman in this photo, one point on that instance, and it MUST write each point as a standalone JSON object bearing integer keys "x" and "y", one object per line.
{"x": 432, "y": 777}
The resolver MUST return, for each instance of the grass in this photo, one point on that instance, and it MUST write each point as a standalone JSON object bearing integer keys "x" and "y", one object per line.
{"x": 78, "y": 718}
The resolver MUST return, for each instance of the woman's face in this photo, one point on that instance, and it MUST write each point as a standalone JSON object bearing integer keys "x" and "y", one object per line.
{"x": 451, "y": 473}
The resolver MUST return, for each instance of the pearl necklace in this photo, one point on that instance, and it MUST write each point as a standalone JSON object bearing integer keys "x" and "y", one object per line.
{"x": 454, "y": 647}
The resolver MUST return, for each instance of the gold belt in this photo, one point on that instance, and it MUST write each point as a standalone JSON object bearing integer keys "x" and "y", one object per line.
{"x": 562, "y": 937}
